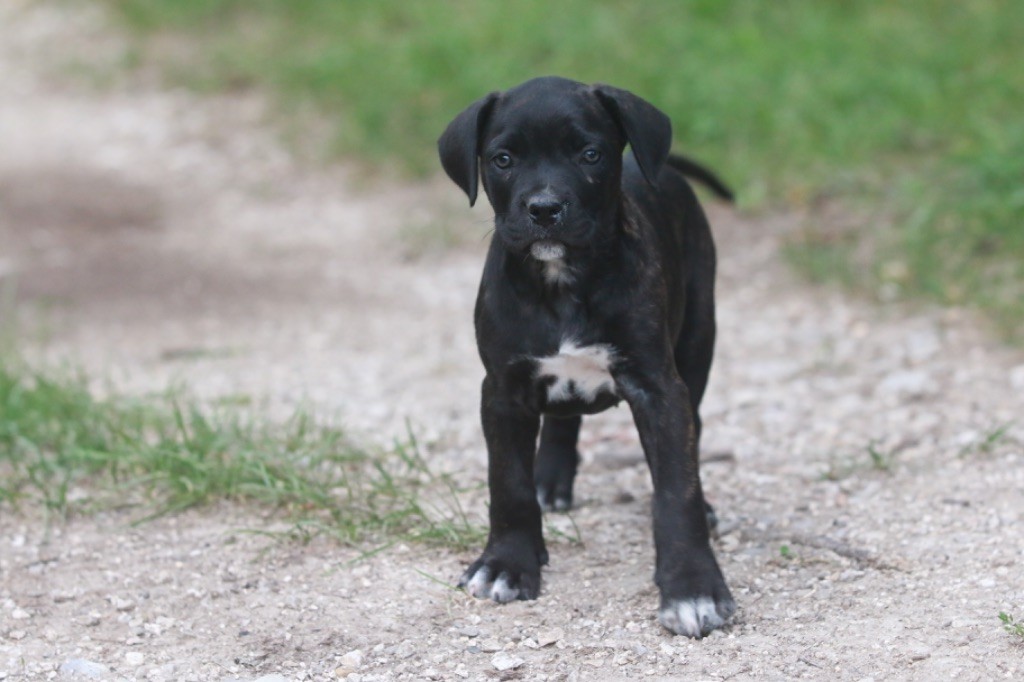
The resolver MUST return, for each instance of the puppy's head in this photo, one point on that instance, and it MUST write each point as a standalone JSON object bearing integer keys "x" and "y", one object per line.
{"x": 550, "y": 155}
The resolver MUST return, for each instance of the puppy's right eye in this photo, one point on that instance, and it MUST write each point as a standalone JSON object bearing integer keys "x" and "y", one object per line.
{"x": 501, "y": 160}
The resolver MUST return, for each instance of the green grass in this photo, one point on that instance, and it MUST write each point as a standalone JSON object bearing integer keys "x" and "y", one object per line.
{"x": 987, "y": 442}
{"x": 909, "y": 108}
{"x": 71, "y": 452}
{"x": 872, "y": 457}
{"x": 1012, "y": 625}
{"x": 880, "y": 461}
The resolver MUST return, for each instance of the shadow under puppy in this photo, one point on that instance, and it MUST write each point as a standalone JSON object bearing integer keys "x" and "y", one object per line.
{"x": 598, "y": 287}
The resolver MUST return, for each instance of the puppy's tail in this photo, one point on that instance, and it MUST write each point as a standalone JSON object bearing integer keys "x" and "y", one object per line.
{"x": 695, "y": 171}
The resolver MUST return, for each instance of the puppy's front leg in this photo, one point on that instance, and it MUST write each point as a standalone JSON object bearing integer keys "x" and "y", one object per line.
{"x": 509, "y": 568}
{"x": 694, "y": 597}
{"x": 557, "y": 461}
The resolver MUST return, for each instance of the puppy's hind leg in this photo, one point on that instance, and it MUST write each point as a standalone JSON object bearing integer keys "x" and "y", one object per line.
{"x": 557, "y": 462}
{"x": 693, "y": 355}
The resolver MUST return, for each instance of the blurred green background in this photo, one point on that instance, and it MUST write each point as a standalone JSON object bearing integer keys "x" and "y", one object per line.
{"x": 906, "y": 115}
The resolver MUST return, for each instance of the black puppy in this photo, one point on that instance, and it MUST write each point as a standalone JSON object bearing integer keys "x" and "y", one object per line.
{"x": 598, "y": 286}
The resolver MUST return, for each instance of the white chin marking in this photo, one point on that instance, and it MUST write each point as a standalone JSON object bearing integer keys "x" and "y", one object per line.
{"x": 546, "y": 250}
{"x": 691, "y": 617}
{"x": 578, "y": 370}
{"x": 552, "y": 254}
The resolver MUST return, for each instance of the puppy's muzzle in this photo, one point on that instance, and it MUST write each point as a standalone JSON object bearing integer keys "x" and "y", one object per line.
{"x": 545, "y": 209}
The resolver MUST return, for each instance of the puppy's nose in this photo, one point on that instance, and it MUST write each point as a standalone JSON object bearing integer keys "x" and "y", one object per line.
{"x": 545, "y": 210}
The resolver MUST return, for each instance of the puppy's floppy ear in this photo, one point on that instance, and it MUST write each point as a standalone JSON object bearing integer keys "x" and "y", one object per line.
{"x": 646, "y": 128}
{"x": 459, "y": 145}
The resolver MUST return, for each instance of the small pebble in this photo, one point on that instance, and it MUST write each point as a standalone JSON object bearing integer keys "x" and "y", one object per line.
{"x": 503, "y": 661}
{"x": 907, "y": 384}
{"x": 353, "y": 660}
{"x": 122, "y": 604}
{"x": 134, "y": 658}
{"x": 490, "y": 645}
{"x": 1017, "y": 377}
{"x": 850, "y": 575}
{"x": 350, "y": 663}
{"x": 548, "y": 637}
{"x": 82, "y": 668}
{"x": 919, "y": 653}
{"x": 405, "y": 650}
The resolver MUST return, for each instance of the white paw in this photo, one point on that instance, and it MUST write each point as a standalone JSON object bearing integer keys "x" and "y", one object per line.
{"x": 559, "y": 504}
{"x": 481, "y": 586}
{"x": 694, "y": 617}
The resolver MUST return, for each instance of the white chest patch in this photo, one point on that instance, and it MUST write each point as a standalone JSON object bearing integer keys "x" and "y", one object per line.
{"x": 557, "y": 272}
{"x": 579, "y": 371}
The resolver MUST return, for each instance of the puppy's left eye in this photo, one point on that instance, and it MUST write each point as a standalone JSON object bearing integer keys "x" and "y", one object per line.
{"x": 591, "y": 156}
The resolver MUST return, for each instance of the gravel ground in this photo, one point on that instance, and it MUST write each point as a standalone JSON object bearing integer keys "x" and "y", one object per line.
{"x": 157, "y": 238}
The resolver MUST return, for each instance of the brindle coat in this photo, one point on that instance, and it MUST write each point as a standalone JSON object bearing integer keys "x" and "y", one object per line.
{"x": 598, "y": 287}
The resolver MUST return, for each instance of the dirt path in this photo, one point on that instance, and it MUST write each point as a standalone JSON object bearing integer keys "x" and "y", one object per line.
{"x": 155, "y": 237}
